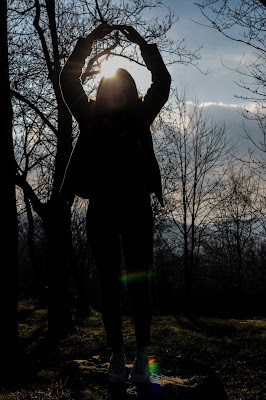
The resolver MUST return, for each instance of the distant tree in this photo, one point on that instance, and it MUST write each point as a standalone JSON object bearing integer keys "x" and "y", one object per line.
{"x": 194, "y": 153}
{"x": 8, "y": 243}
{"x": 32, "y": 257}
{"x": 42, "y": 33}
{"x": 232, "y": 246}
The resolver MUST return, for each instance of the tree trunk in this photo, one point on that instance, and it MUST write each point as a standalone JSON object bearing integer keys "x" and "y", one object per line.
{"x": 188, "y": 288}
{"x": 9, "y": 240}
{"x": 57, "y": 221}
{"x": 187, "y": 274}
{"x": 56, "y": 218}
{"x": 35, "y": 265}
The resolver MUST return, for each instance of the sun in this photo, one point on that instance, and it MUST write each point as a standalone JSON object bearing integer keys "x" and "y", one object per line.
{"x": 110, "y": 65}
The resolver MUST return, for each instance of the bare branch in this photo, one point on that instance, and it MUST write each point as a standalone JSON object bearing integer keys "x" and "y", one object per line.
{"x": 27, "y": 189}
{"x": 99, "y": 12}
{"x": 42, "y": 38}
{"x": 36, "y": 109}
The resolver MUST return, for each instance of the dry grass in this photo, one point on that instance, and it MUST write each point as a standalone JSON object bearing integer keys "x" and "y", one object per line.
{"x": 235, "y": 348}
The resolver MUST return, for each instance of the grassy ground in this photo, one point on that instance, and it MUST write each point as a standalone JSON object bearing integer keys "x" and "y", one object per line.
{"x": 233, "y": 347}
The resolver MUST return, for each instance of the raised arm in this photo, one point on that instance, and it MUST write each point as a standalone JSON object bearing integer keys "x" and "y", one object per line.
{"x": 158, "y": 93}
{"x": 72, "y": 90}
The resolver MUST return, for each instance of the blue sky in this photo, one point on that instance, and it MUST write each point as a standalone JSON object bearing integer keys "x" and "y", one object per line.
{"x": 217, "y": 89}
{"x": 218, "y": 85}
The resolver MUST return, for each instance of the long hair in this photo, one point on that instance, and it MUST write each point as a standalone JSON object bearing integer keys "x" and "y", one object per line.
{"x": 124, "y": 84}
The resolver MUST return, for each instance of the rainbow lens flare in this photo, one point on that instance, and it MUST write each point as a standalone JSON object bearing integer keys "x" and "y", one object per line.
{"x": 155, "y": 387}
{"x": 154, "y": 367}
{"x": 136, "y": 276}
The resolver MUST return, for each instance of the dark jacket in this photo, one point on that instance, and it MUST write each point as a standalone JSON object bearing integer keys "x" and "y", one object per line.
{"x": 80, "y": 174}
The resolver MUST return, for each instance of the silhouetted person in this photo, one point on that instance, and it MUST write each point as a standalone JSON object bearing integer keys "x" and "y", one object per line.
{"x": 113, "y": 164}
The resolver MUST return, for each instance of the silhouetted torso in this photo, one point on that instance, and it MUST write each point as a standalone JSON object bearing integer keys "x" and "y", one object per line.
{"x": 119, "y": 162}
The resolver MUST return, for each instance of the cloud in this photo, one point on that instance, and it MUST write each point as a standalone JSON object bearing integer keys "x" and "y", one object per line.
{"x": 242, "y": 58}
{"x": 229, "y": 114}
{"x": 250, "y": 106}
{"x": 220, "y": 104}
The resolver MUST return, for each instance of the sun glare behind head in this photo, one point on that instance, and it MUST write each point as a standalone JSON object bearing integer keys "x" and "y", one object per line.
{"x": 109, "y": 67}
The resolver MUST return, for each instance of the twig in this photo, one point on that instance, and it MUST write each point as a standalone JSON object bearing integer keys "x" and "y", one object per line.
{"x": 99, "y": 12}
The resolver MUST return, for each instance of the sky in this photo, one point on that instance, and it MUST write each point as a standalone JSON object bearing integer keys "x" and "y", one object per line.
{"x": 217, "y": 88}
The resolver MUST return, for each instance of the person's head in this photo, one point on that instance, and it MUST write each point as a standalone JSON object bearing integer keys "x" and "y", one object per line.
{"x": 117, "y": 92}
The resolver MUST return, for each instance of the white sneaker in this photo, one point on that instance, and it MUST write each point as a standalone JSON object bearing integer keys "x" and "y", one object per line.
{"x": 117, "y": 369}
{"x": 140, "y": 372}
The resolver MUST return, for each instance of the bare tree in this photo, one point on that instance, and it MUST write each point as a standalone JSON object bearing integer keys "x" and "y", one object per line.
{"x": 237, "y": 231}
{"x": 194, "y": 153}
{"x": 9, "y": 245}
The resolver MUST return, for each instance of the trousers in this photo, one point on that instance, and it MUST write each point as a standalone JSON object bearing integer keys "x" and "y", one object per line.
{"x": 111, "y": 233}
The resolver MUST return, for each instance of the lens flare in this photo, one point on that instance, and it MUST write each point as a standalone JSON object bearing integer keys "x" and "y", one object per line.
{"x": 154, "y": 367}
{"x": 136, "y": 276}
{"x": 155, "y": 386}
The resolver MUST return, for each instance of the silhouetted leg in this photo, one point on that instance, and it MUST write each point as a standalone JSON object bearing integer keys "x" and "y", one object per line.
{"x": 106, "y": 247}
{"x": 137, "y": 242}
{"x": 141, "y": 306}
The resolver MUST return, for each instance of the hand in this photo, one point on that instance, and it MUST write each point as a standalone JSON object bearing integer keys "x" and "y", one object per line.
{"x": 131, "y": 34}
{"x": 100, "y": 32}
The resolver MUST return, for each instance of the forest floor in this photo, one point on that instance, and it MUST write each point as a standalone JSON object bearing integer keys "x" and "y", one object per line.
{"x": 235, "y": 348}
